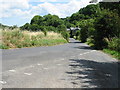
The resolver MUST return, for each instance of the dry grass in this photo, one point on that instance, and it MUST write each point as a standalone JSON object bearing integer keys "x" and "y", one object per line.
{"x": 50, "y": 35}
{"x": 32, "y": 33}
{"x": 18, "y": 39}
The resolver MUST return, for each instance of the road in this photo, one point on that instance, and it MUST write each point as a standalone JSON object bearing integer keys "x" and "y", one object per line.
{"x": 72, "y": 65}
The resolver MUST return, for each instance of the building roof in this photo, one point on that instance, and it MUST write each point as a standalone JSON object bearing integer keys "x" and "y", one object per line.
{"x": 73, "y": 28}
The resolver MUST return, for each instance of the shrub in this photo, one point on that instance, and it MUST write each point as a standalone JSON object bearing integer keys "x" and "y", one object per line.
{"x": 90, "y": 41}
{"x": 66, "y": 35}
{"x": 83, "y": 34}
{"x": 114, "y": 44}
{"x": 45, "y": 32}
{"x": 77, "y": 35}
{"x": 100, "y": 43}
{"x": 3, "y": 46}
{"x": 106, "y": 26}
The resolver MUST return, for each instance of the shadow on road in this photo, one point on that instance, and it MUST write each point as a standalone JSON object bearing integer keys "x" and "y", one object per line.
{"x": 75, "y": 42}
{"x": 91, "y": 73}
{"x": 84, "y": 47}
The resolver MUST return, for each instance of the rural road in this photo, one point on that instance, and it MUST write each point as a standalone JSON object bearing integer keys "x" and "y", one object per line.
{"x": 72, "y": 65}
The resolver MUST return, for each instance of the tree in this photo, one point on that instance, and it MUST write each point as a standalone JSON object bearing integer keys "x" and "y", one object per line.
{"x": 52, "y": 20}
{"x": 26, "y": 26}
{"x": 61, "y": 28}
{"x": 37, "y": 20}
{"x": 34, "y": 27}
{"x": 114, "y": 6}
{"x": 87, "y": 29}
{"x": 107, "y": 26}
{"x": 90, "y": 10}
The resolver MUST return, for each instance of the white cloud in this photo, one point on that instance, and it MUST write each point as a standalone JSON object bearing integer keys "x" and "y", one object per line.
{"x": 48, "y": 0}
{"x": 6, "y": 6}
{"x": 22, "y": 7}
{"x": 15, "y": 3}
{"x": 62, "y": 10}
{"x": 25, "y": 10}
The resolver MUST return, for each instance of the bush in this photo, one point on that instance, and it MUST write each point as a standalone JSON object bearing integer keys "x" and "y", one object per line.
{"x": 107, "y": 26}
{"x": 45, "y": 32}
{"x": 66, "y": 35}
{"x": 2, "y": 46}
{"x": 77, "y": 35}
{"x": 90, "y": 41}
{"x": 114, "y": 44}
{"x": 83, "y": 34}
{"x": 100, "y": 43}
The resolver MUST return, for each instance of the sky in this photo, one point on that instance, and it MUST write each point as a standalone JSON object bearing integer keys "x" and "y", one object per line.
{"x": 19, "y": 12}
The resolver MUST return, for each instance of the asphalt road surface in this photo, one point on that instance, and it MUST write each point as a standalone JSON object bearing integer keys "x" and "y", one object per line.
{"x": 72, "y": 65}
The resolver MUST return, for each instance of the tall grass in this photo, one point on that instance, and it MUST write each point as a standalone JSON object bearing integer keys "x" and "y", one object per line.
{"x": 18, "y": 39}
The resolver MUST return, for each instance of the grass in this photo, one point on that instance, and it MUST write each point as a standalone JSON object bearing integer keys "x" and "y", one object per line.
{"x": 114, "y": 53}
{"x": 19, "y": 39}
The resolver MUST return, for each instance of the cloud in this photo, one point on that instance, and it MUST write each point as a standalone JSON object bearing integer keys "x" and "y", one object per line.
{"x": 48, "y": 0}
{"x": 26, "y": 10}
{"x": 22, "y": 7}
{"x": 60, "y": 9}
{"x": 7, "y": 6}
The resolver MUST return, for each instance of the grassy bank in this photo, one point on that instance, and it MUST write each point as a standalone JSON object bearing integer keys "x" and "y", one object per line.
{"x": 114, "y": 53}
{"x": 18, "y": 39}
{"x": 114, "y": 45}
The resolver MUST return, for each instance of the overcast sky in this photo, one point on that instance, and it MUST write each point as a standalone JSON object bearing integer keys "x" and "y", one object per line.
{"x": 19, "y": 12}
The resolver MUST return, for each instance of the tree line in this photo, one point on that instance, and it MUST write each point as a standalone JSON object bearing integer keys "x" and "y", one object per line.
{"x": 99, "y": 23}
{"x": 47, "y": 23}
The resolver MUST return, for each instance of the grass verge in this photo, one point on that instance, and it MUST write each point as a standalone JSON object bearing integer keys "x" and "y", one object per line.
{"x": 114, "y": 53}
{"x": 19, "y": 39}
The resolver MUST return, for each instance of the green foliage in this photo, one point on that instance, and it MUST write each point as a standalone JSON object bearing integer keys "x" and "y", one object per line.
{"x": 45, "y": 32}
{"x": 3, "y": 26}
{"x": 51, "y": 28}
{"x": 114, "y": 6}
{"x": 90, "y": 41}
{"x": 66, "y": 35}
{"x": 114, "y": 53}
{"x": 48, "y": 22}
{"x": 100, "y": 42}
{"x": 2, "y": 46}
{"x": 77, "y": 35}
{"x": 90, "y": 10}
{"x": 61, "y": 28}
{"x": 114, "y": 44}
{"x": 26, "y": 26}
{"x": 52, "y": 20}
{"x": 87, "y": 29}
{"x": 83, "y": 34}
{"x": 68, "y": 25}
{"x": 107, "y": 26}
{"x": 37, "y": 20}
{"x": 34, "y": 27}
